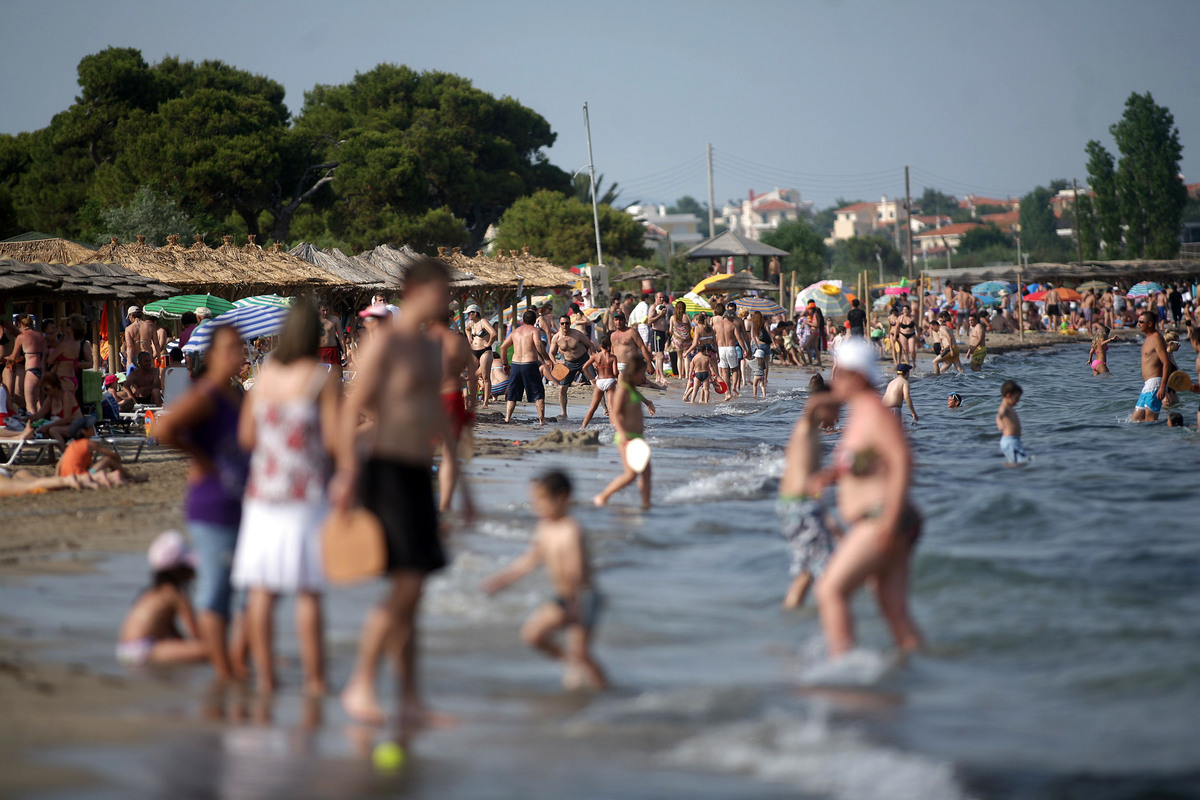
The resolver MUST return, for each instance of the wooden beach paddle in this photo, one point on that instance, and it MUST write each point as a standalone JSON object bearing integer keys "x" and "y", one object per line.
{"x": 637, "y": 455}
{"x": 560, "y": 372}
{"x": 352, "y": 546}
{"x": 1180, "y": 381}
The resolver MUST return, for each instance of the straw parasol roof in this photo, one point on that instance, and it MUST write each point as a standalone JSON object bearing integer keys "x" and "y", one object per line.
{"x": 351, "y": 269}
{"x": 744, "y": 281}
{"x": 93, "y": 280}
{"x": 640, "y": 273}
{"x": 38, "y": 247}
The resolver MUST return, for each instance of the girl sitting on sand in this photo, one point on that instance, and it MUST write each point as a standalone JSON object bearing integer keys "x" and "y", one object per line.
{"x": 149, "y": 634}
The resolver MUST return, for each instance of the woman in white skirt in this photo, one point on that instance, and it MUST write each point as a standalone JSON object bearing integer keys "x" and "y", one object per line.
{"x": 287, "y": 423}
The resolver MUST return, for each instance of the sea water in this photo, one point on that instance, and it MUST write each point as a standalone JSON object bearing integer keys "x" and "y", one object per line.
{"x": 1060, "y": 600}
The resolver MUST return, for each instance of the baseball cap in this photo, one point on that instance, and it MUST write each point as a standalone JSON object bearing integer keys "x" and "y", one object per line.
{"x": 379, "y": 311}
{"x": 474, "y": 307}
{"x": 109, "y": 380}
{"x": 858, "y": 356}
{"x": 170, "y": 550}
{"x": 903, "y": 367}
{"x": 133, "y": 310}
{"x": 619, "y": 315}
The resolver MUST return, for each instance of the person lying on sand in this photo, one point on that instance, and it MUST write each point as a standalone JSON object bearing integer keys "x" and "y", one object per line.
{"x": 23, "y": 482}
{"x": 149, "y": 634}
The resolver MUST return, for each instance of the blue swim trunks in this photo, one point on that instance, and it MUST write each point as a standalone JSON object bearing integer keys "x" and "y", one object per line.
{"x": 1149, "y": 398}
{"x": 1013, "y": 452}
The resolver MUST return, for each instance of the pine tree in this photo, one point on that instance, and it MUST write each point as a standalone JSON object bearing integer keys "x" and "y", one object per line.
{"x": 1103, "y": 179}
{"x": 1151, "y": 193}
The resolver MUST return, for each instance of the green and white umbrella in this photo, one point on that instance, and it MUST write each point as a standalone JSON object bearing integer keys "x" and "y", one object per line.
{"x": 175, "y": 307}
{"x": 271, "y": 300}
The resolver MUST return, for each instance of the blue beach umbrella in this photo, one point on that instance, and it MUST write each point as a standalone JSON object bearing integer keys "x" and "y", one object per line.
{"x": 987, "y": 300}
{"x": 993, "y": 287}
{"x": 1144, "y": 289}
{"x": 251, "y": 322}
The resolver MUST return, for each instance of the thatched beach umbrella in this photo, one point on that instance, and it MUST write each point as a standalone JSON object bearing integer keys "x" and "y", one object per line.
{"x": 32, "y": 248}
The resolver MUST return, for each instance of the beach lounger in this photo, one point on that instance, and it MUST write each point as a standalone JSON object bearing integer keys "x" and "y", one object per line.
{"x": 11, "y": 450}
{"x": 128, "y": 447}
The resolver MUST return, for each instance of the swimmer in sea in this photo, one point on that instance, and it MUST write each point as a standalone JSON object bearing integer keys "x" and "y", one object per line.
{"x": 898, "y": 392}
{"x": 1098, "y": 354}
{"x": 945, "y": 346}
{"x": 1009, "y": 425}
{"x": 976, "y": 343}
{"x": 954, "y": 400}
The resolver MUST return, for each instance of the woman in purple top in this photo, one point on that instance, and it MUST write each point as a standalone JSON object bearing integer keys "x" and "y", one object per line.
{"x": 204, "y": 424}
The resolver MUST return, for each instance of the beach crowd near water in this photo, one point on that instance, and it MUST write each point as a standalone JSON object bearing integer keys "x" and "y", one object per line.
{"x": 372, "y": 408}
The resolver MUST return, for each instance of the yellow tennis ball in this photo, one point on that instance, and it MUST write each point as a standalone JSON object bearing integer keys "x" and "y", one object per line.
{"x": 388, "y": 757}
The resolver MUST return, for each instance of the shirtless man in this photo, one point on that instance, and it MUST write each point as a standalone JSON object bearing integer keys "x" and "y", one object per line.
{"x": 1156, "y": 368}
{"x": 729, "y": 335}
{"x": 1053, "y": 306}
{"x": 457, "y": 362}
{"x": 28, "y": 362}
{"x": 528, "y": 357}
{"x": 942, "y": 335}
{"x": 481, "y": 336}
{"x": 398, "y": 383}
{"x": 1106, "y": 308}
{"x": 964, "y": 303}
{"x": 977, "y": 343}
{"x": 161, "y": 337}
{"x": 626, "y": 342}
{"x": 139, "y": 338}
{"x": 575, "y": 349}
{"x": 659, "y": 320}
{"x": 899, "y": 392}
{"x": 142, "y": 386}
{"x": 333, "y": 344}
{"x": 1002, "y": 322}
{"x": 605, "y": 364}
{"x": 1087, "y": 307}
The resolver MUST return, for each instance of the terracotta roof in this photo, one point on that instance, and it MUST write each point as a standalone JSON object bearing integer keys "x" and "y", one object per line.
{"x": 774, "y": 205}
{"x": 957, "y": 229}
{"x": 975, "y": 200}
{"x": 865, "y": 206}
{"x": 1005, "y": 219}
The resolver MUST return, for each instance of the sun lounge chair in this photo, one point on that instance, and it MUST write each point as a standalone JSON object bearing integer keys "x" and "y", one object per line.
{"x": 11, "y": 450}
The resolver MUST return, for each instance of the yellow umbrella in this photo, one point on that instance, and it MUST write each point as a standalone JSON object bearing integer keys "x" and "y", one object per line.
{"x": 711, "y": 279}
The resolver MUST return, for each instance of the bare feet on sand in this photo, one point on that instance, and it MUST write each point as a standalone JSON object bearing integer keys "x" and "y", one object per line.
{"x": 361, "y": 705}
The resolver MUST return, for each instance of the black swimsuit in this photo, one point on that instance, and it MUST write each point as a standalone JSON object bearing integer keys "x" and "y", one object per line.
{"x": 909, "y": 333}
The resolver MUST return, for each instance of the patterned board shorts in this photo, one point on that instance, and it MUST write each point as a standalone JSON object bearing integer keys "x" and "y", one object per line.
{"x": 802, "y": 523}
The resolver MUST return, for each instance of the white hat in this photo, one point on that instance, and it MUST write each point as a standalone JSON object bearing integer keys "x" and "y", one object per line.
{"x": 475, "y": 308}
{"x": 133, "y": 310}
{"x": 856, "y": 355}
{"x": 170, "y": 550}
{"x": 203, "y": 312}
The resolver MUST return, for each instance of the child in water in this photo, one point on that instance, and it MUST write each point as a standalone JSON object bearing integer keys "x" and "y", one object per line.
{"x": 1098, "y": 354}
{"x": 558, "y": 542}
{"x": 1009, "y": 424}
{"x": 149, "y": 634}
{"x": 702, "y": 375}
{"x": 758, "y": 372}
{"x": 626, "y": 417}
{"x": 802, "y": 514}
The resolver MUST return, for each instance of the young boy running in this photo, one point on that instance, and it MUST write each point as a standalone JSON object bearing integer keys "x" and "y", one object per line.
{"x": 605, "y": 364}
{"x": 1009, "y": 425}
{"x": 625, "y": 412}
{"x": 558, "y": 542}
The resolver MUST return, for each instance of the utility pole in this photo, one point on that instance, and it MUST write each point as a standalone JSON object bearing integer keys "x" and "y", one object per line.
{"x": 908, "y": 221}
{"x": 1078, "y": 232}
{"x": 592, "y": 173}
{"x": 712, "y": 227}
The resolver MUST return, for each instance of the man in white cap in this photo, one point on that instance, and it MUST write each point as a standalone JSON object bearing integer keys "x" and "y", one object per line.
{"x": 873, "y": 465}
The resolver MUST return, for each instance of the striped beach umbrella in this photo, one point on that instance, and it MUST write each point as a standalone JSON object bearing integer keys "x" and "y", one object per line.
{"x": 266, "y": 300}
{"x": 695, "y": 304}
{"x": 829, "y": 298}
{"x": 1144, "y": 289}
{"x": 175, "y": 307}
{"x": 993, "y": 287}
{"x": 1093, "y": 286}
{"x": 250, "y": 321}
{"x": 766, "y": 305}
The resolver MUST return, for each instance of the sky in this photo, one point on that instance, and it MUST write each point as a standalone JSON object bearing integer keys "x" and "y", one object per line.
{"x": 830, "y": 97}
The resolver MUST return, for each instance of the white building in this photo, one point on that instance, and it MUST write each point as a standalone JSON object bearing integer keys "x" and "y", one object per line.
{"x": 682, "y": 229}
{"x": 764, "y": 212}
{"x": 863, "y": 219}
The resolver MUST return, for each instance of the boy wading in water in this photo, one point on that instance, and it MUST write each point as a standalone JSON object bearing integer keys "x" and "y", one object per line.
{"x": 1010, "y": 424}
{"x": 802, "y": 514}
{"x": 625, "y": 413}
{"x": 558, "y": 543}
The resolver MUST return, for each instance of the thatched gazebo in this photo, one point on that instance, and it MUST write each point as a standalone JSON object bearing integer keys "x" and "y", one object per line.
{"x": 35, "y": 248}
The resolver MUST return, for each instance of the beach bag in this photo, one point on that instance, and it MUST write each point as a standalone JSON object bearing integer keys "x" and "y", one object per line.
{"x": 352, "y": 546}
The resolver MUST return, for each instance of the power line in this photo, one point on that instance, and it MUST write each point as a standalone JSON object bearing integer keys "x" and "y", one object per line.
{"x": 807, "y": 176}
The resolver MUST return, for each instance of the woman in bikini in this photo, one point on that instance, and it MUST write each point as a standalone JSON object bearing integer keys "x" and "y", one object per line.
{"x": 59, "y": 408}
{"x": 481, "y": 336}
{"x": 27, "y": 362}
{"x": 702, "y": 334}
{"x": 873, "y": 469}
{"x": 906, "y": 336}
{"x": 681, "y": 336}
{"x": 65, "y": 357}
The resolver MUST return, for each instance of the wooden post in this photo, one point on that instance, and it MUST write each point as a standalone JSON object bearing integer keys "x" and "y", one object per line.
{"x": 791, "y": 306}
{"x": 114, "y": 337}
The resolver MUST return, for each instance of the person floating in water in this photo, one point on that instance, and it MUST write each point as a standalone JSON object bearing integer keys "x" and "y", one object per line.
{"x": 1009, "y": 424}
{"x": 559, "y": 543}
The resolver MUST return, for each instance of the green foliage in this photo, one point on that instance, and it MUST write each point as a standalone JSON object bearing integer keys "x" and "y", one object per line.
{"x": 1038, "y": 225}
{"x": 1087, "y": 230}
{"x": 806, "y": 249}
{"x": 690, "y": 205}
{"x": 426, "y": 232}
{"x": 156, "y": 215}
{"x": 851, "y": 256}
{"x": 1191, "y": 212}
{"x": 1059, "y": 184}
{"x": 1151, "y": 193}
{"x": 1102, "y": 177}
{"x": 581, "y": 186}
{"x": 981, "y": 238}
{"x": 560, "y": 228}
{"x": 407, "y": 142}
{"x": 934, "y": 201}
